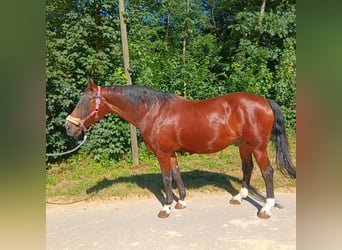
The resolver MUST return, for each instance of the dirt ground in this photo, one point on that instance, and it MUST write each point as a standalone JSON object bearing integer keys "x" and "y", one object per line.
{"x": 208, "y": 222}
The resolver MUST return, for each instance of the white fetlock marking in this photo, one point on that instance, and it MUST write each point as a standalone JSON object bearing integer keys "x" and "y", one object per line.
{"x": 182, "y": 203}
{"x": 166, "y": 208}
{"x": 244, "y": 192}
{"x": 270, "y": 202}
{"x": 237, "y": 198}
{"x": 266, "y": 209}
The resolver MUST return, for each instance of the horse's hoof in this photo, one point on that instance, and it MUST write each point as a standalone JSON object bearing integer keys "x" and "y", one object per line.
{"x": 180, "y": 206}
{"x": 163, "y": 214}
{"x": 264, "y": 215}
{"x": 235, "y": 202}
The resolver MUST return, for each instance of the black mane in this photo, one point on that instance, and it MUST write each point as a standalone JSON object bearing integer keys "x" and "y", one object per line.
{"x": 142, "y": 95}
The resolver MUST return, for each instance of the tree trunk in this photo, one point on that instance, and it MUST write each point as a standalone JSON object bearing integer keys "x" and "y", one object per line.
{"x": 124, "y": 40}
{"x": 167, "y": 31}
{"x": 184, "y": 63}
{"x": 98, "y": 39}
{"x": 261, "y": 15}
{"x": 262, "y": 11}
{"x": 185, "y": 38}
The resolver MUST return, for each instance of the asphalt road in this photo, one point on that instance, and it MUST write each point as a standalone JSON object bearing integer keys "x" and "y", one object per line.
{"x": 208, "y": 222}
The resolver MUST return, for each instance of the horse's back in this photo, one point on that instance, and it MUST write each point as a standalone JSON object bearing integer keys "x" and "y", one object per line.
{"x": 239, "y": 105}
{"x": 206, "y": 126}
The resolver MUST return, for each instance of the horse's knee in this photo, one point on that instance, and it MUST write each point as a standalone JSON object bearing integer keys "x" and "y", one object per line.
{"x": 167, "y": 180}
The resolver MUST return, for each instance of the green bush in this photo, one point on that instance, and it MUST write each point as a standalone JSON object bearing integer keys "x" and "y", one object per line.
{"x": 198, "y": 51}
{"x": 109, "y": 138}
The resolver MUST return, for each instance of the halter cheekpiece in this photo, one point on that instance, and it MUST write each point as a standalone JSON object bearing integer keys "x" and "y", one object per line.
{"x": 80, "y": 122}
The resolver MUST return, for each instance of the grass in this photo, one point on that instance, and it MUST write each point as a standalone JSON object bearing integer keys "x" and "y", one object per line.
{"x": 81, "y": 178}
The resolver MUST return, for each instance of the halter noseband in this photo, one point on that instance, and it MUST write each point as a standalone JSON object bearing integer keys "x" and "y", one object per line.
{"x": 80, "y": 122}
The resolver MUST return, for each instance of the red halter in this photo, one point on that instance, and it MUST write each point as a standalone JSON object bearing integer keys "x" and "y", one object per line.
{"x": 94, "y": 112}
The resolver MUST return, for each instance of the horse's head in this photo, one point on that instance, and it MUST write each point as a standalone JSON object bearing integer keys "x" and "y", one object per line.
{"x": 86, "y": 112}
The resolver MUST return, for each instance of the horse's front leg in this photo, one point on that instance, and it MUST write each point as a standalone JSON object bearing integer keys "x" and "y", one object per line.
{"x": 179, "y": 182}
{"x": 165, "y": 167}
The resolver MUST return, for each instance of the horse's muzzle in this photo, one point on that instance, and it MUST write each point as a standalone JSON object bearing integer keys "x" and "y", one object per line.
{"x": 72, "y": 130}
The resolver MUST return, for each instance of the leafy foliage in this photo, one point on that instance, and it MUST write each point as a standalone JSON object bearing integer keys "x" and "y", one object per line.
{"x": 82, "y": 41}
{"x": 195, "y": 48}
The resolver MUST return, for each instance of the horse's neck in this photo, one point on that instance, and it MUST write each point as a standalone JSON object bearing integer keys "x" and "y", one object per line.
{"x": 118, "y": 104}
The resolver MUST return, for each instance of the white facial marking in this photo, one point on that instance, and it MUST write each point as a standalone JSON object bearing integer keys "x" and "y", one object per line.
{"x": 73, "y": 120}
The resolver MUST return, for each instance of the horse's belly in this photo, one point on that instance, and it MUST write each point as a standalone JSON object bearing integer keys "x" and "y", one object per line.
{"x": 203, "y": 145}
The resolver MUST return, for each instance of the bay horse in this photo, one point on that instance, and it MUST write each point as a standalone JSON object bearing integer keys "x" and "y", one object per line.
{"x": 169, "y": 123}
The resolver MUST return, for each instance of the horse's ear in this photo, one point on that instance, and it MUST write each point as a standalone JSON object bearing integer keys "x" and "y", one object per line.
{"x": 91, "y": 84}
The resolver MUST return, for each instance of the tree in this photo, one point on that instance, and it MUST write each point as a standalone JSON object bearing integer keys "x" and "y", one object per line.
{"x": 197, "y": 48}
{"x": 134, "y": 142}
{"x": 83, "y": 39}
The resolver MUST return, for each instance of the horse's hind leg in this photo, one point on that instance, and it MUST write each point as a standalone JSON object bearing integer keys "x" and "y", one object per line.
{"x": 179, "y": 182}
{"x": 267, "y": 174}
{"x": 247, "y": 167}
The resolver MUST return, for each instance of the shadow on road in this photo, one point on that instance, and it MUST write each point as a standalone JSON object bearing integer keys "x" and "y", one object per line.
{"x": 192, "y": 180}
{"x": 153, "y": 182}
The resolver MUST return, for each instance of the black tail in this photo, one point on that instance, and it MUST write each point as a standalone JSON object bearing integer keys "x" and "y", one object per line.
{"x": 279, "y": 137}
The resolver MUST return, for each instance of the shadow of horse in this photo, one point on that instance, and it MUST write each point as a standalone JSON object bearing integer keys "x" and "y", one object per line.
{"x": 192, "y": 180}
{"x": 153, "y": 182}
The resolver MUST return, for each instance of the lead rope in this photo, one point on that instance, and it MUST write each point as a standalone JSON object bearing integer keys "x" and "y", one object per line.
{"x": 72, "y": 150}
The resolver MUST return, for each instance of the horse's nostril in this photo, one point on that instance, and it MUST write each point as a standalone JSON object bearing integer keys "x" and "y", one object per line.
{"x": 67, "y": 126}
